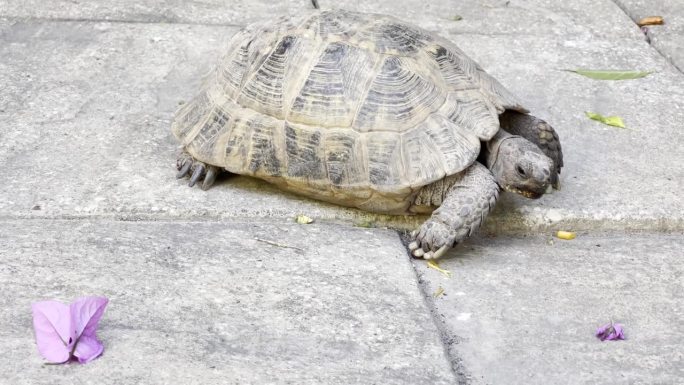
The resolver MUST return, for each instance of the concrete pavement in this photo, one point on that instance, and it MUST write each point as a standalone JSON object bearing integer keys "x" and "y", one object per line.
{"x": 524, "y": 310}
{"x": 222, "y": 302}
{"x": 89, "y": 92}
{"x": 667, "y": 38}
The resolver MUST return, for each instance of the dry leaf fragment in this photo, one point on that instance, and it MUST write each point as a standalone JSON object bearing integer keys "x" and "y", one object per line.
{"x": 434, "y": 265}
{"x": 304, "y": 220}
{"x": 614, "y": 121}
{"x": 567, "y": 235}
{"x": 457, "y": 18}
{"x": 651, "y": 20}
{"x": 439, "y": 292}
{"x": 365, "y": 224}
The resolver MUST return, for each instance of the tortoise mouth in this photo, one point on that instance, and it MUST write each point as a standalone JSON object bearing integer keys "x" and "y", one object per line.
{"x": 525, "y": 193}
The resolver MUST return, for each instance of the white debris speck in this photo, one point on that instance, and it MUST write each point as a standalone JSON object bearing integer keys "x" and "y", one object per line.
{"x": 464, "y": 316}
{"x": 554, "y": 216}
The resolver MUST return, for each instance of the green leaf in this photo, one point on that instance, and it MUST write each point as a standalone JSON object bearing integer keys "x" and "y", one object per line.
{"x": 457, "y": 18}
{"x": 611, "y": 75}
{"x": 365, "y": 223}
{"x": 614, "y": 121}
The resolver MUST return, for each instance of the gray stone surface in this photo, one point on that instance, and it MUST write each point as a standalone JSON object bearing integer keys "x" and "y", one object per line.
{"x": 667, "y": 38}
{"x": 211, "y": 12}
{"x": 492, "y": 17}
{"x": 523, "y": 311}
{"x": 88, "y": 93}
{"x": 206, "y": 302}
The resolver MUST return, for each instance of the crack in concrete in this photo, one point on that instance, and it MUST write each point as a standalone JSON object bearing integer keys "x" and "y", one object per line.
{"x": 648, "y": 38}
{"x": 463, "y": 377}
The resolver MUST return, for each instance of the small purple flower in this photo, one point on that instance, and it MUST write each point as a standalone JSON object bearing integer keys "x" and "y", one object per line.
{"x": 66, "y": 331}
{"x": 610, "y": 332}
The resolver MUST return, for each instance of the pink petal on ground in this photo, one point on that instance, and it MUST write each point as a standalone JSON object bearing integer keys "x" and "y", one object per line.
{"x": 610, "y": 332}
{"x": 86, "y": 313}
{"x": 87, "y": 349}
{"x": 54, "y": 334}
{"x": 619, "y": 333}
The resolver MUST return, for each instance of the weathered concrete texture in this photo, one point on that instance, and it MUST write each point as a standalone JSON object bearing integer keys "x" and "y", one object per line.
{"x": 206, "y": 12}
{"x": 667, "y": 38}
{"x": 215, "y": 303}
{"x": 523, "y": 311}
{"x": 519, "y": 17}
{"x": 88, "y": 106}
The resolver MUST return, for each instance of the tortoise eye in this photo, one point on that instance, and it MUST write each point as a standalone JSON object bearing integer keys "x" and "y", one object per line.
{"x": 520, "y": 170}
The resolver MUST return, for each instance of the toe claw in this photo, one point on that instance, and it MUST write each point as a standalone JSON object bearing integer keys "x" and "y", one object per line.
{"x": 210, "y": 178}
{"x": 185, "y": 168}
{"x": 196, "y": 175}
{"x": 418, "y": 253}
{"x": 428, "y": 255}
{"x": 439, "y": 253}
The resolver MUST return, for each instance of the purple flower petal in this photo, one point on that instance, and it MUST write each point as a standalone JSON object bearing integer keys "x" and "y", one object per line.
{"x": 619, "y": 333}
{"x": 63, "y": 330}
{"x": 86, "y": 313}
{"x": 87, "y": 349}
{"x": 610, "y": 332}
{"x": 54, "y": 334}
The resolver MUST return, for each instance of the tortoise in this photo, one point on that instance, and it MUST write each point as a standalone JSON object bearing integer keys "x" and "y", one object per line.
{"x": 367, "y": 111}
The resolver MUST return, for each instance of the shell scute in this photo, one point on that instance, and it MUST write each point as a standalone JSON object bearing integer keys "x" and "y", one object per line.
{"x": 399, "y": 97}
{"x": 334, "y": 83}
{"x": 344, "y": 158}
{"x": 388, "y": 36}
{"x": 303, "y": 152}
{"x": 385, "y": 164}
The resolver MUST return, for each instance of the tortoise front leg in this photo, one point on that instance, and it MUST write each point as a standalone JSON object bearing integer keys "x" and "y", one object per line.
{"x": 464, "y": 207}
{"x": 538, "y": 132}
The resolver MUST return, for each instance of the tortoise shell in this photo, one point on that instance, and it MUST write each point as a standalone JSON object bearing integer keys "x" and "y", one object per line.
{"x": 343, "y": 105}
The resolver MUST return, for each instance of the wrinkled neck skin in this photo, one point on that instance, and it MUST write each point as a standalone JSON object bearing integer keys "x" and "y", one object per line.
{"x": 518, "y": 165}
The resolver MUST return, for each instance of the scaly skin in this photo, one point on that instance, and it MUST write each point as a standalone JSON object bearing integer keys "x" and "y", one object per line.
{"x": 513, "y": 164}
{"x": 538, "y": 132}
{"x": 464, "y": 207}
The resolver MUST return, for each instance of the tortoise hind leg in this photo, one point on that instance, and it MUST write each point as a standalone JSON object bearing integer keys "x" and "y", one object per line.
{"x": 187, "y": 165}
{"x": 538, "y": 132}
{"x": 464, "y": 207}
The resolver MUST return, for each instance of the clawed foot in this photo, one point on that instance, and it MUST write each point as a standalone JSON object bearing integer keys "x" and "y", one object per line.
{"x": 197, "y": 170}
{"x": 433, "y": 239}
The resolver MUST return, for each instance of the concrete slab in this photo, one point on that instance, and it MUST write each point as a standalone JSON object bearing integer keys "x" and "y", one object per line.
{"x": 667, "y": 38}
{"x": 211, "y": 12}
{"x": 523, "y": 311}
{"x": 88, "y": 106}
{"x": 492, "y": 17}
{"x": 208, "y": 302}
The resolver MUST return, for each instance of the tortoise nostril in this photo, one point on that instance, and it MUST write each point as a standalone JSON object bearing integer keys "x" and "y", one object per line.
{"x": 520, "y": 170}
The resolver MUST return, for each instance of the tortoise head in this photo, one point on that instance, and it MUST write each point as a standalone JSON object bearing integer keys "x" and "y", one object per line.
{"x": 518, "y": 165}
